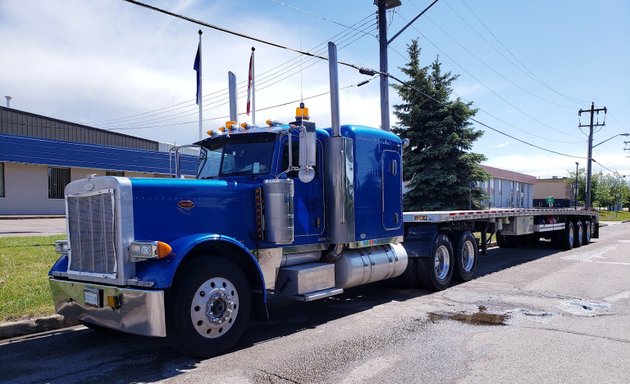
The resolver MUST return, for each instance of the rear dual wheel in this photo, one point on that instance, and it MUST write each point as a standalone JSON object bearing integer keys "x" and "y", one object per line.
{"x": 466, "y": 257}
{"x": 579, "y": 234}
{"x": 435, "y": 272}
{"x": 566, "y": 237}
{"x": 447, "y": 262}
{"x": 586, "y": 226}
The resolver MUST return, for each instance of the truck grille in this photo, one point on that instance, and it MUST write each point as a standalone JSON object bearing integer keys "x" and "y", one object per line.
{"x": 92, "y": 237}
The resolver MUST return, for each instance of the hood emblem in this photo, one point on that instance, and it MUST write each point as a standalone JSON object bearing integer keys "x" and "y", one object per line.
{"x": 88, "y": 187}
{"x": 185, "y": 204}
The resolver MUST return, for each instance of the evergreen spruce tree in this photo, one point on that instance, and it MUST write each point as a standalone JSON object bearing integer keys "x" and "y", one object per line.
{"x": 438, "y": 166}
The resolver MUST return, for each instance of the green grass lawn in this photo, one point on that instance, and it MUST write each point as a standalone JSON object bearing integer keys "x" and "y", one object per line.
{"x": 24, "y": 265}
{"x": 614, "y": 215}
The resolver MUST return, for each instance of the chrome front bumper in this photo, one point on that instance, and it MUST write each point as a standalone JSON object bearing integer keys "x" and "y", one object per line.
{"x": 128, "y": 310}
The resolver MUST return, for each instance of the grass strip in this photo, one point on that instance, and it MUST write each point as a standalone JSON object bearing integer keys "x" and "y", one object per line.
{"x": 24, "y": 266}
{"x": 614, "y": 215}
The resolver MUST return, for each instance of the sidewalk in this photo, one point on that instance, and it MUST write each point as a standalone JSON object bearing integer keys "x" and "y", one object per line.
{"x": 32, "y": 225}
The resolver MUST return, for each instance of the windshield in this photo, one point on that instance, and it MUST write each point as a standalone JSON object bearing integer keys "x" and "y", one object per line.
{"x": 236, "y": 155}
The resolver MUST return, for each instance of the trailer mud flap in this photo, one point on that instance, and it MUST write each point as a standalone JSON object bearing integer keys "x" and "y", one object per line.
{"x": 419, "y": 240}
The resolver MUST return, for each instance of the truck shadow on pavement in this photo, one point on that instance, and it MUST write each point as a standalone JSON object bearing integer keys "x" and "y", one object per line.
{"x": 80, "y": 355}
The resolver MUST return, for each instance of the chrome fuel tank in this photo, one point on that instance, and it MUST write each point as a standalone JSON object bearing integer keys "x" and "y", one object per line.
{"x": 366, "y": 265}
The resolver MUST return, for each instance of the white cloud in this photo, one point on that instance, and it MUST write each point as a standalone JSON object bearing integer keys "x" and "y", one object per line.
{"x": 500, "y": 145}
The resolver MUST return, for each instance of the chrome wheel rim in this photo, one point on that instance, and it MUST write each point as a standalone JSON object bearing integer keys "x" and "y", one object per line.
{"x": 580, "y": 233}
{"x": 442, "y": 262}
{"x": 214, "y": 307}
{"x": 571, "y": 234}
{"x": 468, "y": 256}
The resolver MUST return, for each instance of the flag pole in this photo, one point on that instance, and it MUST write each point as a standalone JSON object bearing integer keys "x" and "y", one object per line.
{"x": 200, "y": 89}
{"x": 253, "y": 89}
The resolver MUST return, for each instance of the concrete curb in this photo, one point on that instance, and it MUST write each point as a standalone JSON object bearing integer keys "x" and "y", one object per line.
{"x": 29, "y": 217}
{"x": 36, "y": 325}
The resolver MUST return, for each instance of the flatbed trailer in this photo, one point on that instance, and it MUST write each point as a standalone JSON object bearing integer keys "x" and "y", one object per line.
{"x": 435, "y": 235}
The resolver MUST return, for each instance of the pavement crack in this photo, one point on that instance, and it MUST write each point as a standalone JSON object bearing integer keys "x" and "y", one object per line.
{"x": 581, "y": 334}
{"x": 270, "y": 377}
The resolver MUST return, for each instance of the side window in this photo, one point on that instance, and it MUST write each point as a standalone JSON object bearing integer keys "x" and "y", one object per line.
{"x": 58, "y": 178}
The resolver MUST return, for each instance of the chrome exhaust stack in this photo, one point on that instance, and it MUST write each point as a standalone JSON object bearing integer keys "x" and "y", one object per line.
{"x": 339, "y": 169}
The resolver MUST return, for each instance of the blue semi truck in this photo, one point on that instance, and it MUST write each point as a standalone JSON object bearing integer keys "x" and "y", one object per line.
{"x": 285, "y": 210}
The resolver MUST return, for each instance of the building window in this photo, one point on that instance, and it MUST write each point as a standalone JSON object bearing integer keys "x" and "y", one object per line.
{"x": 115, "y": 173}
{"x": 57, "y": 180}
{"x": 1, "y": 179}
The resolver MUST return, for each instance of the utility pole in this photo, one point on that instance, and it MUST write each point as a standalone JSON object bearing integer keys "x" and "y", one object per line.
{"x": 591, "y": 125}
{"x": 383, "y": 42}
{"x": 384, "y": 79}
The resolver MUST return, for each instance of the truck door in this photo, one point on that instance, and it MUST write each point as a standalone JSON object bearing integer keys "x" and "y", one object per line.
{"x": 392, "y": 190}
{"x": 308, "y": 202}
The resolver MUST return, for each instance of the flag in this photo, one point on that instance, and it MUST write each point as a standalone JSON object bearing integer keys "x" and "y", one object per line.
{"x": 197, "y": 67}
{"x": 249, "y": 81}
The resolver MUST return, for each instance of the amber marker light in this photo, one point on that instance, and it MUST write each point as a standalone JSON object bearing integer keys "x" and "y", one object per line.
{"x": 145, "y": 250}
{"x": 163, "y": 250}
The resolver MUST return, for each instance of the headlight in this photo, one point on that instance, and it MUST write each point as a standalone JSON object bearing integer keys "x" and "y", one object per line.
{"x": 144, "y": 250}
{"x": 61, "y": 246}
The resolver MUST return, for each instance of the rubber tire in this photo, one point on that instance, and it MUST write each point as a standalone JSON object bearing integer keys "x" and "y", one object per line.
{"x": 180, "y": 330}
{"x": 578, "y": 234}
{"x": 566, "y": 236}
{"x": 586, "y": 239}
{"x": 459, "y": 272}
{"x": 426, "y": 266}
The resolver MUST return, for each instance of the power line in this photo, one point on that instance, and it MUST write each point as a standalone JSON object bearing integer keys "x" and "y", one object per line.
{"x": 484, "y": 124}
{"x": 292, "y": 70}
{"x": 501, "y": 120}
{"x": 243, "y": 113}
{"x": 524, "y": 69}
{"x": 315, "y": 15}
{"x": 238, "y": 34}
{"x": 494, "y": 70}
{"x": 484, "y": 85}
{"x": 263, "y": 78}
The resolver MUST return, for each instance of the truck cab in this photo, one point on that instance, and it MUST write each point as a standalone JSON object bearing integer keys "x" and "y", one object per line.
{"x": 286, "y": 209}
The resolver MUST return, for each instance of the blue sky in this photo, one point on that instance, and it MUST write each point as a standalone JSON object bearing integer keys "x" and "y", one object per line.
{"x": 528, "y": 66}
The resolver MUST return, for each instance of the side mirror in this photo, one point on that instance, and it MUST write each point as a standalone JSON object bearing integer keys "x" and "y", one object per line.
{"x": 308, "y": 151}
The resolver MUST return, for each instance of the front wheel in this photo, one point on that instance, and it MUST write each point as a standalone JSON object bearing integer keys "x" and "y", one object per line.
{"x": 209, "y": 307}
